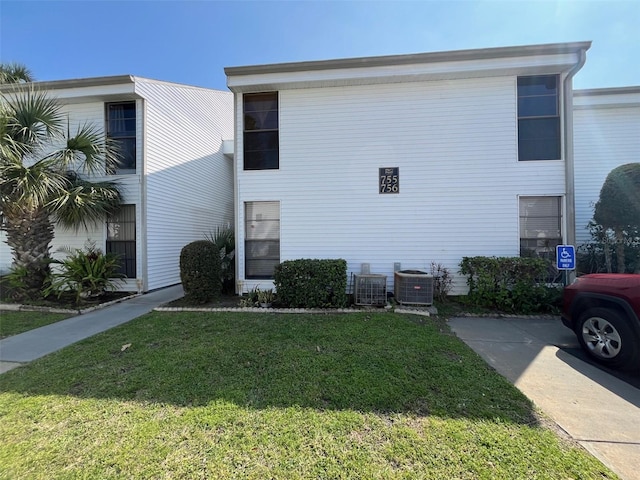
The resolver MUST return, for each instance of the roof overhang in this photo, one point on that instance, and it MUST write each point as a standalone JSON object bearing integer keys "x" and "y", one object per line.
{"x": 619, "y": 97}
{"x": 531, "y": 59}
{"x": 82, "y": 90}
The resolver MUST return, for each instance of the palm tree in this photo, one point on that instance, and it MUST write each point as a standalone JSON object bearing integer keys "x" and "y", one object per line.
{"x": 15, "y": 73}
{"x": 43, "y": 179}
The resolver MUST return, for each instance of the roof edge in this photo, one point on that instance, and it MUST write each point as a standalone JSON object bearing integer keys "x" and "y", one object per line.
{"x": 592, "y": 92}
{"x": 407, "y": 59}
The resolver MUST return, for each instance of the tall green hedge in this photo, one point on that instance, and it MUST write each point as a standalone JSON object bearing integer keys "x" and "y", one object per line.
{"x": 200, "y": 271}
{"x": 312, "y": 283}
{"x": 509, "y": 284}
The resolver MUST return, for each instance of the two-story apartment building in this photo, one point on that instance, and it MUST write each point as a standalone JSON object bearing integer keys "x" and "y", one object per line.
{"x": 176, "y": 181}
{"x": 407, "y": 159}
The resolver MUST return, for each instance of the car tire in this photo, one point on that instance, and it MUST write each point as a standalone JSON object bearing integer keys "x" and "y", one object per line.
{"x": 608, "y": 338}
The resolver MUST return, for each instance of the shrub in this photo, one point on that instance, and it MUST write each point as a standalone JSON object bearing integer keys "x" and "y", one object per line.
{"x": 312, "y": 283}
{"x": 87, "y": 273}
{"x": 509, "y": 284}
{"x": 200, "y": 271}
{"x": 442, "y": 281}
{"x": 224, "y": 240}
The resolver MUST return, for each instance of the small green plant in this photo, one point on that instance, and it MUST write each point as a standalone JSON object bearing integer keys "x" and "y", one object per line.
{"x": 224, "y": 240}
{"x": 200, "y": 271}
{"x": 15, "y": 285}
{"x": 266, "y": 297}
{"x": 86, "y": 272}
{"x": 250, "y": 299}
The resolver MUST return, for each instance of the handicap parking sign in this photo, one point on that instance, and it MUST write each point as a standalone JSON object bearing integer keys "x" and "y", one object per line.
{"x": 566, "y": 257}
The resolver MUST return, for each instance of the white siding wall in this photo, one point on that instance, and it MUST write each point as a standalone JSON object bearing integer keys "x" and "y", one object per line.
{"x": 455, "y": 143}
{"x": 188, "y": 181}
{"x": 605, "y": 138}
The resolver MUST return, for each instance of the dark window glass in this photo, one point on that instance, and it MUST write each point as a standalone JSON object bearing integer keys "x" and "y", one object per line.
{"x": 539, "y": 138}
{"x": 121, "y": 132}
{"x": 121, "y": 239}
{"x": 539, "y": 135}
{"x": 261, "y": 138}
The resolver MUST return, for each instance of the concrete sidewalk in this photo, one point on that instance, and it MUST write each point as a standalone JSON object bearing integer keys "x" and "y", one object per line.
{"x": 28, "y": 346}
{"x": 598, "y": 410}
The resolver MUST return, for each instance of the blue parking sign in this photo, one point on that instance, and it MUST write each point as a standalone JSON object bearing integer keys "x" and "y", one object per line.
{"x": 565, "y": 257}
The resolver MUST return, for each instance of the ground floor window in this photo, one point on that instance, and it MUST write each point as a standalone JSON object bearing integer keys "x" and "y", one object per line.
{"x": 121, "y": 239}
{"x": 540, "y": 226}
{"x": 261, "y": 239}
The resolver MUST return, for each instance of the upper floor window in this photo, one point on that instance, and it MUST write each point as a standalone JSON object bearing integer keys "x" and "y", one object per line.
{"x": 261, "y": 141}
{"x": 538, "y": 118}
{"x": 121, "y": 132}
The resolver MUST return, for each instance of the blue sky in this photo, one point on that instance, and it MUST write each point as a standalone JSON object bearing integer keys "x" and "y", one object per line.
{"x": 192, "y": 41}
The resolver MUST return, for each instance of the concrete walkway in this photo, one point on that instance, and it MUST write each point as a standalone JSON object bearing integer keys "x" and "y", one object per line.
{"x": 595, "y": 408}
{"x": 28, "y": 346}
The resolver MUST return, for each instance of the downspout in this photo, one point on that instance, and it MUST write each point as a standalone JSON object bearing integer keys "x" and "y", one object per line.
{"x": 569, "y": 173}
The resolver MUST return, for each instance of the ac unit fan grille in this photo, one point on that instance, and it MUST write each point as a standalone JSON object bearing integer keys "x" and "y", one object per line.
{"x": 413, "y": 287}
{"x": 370, "y": 289}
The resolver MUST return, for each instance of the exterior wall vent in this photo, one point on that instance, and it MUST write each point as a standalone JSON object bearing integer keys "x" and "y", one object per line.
{"x": 370, "y": 290}
{"x": 413, "y": 287}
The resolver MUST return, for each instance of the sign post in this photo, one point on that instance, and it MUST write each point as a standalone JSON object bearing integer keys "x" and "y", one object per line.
{"x": 565, "y": 259}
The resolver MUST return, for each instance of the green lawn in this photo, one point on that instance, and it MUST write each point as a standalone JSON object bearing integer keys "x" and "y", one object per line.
{"x": 247, "y": 395}
{"x": 12, "y": 323}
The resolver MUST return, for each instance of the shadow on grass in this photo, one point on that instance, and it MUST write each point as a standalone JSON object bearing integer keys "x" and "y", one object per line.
{"x": 381, "y": 362}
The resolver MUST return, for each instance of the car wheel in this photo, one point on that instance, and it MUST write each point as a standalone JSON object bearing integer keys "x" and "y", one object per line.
{"x": 605, "y": 335}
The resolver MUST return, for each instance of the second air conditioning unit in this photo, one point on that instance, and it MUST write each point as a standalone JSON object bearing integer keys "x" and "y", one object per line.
{"x": 413, "y": 287}
{"x": 370, "y": 289}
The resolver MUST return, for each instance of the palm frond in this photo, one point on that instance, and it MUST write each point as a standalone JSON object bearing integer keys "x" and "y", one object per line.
{"x": 85, "y": 202}
{"x": 31, "y": 120}
{"x": 29, "y": 187}
{"x": 15, "y": 73}
{"x": 85, "y": 150}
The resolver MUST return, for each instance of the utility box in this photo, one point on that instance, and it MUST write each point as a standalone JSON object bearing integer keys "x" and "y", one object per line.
{"x": 370, "y": 290}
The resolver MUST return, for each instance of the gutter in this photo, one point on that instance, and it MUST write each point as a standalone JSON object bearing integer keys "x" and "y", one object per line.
{"x": 569, "y": 172}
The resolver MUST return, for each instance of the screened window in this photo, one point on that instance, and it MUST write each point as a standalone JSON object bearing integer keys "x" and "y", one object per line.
{"x": 261, "y": 238}
{"x": 121, "y": 132}
{"x": 538, "y": 118}
{"x": 121, "y": 239}
{"x": 261, "y": 138}
{"x": 540, "y": 226}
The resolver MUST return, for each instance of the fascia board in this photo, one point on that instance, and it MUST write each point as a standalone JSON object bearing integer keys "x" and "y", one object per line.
{"x": 555, "y": 63}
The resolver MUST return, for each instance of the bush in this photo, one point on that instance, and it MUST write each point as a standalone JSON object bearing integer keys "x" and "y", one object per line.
{"x": 312, "y": 283}
{"x": 200, "y": 271}
{"x": 509, "y": 284}
{"x": 224, "y": 240}
{"x": 442, "y": 281}
{"x": 87, "y": 273}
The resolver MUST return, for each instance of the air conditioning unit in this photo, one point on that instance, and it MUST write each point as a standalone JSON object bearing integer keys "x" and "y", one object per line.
{"x": 370, "y": 289}
{"x": 413, "y": 287}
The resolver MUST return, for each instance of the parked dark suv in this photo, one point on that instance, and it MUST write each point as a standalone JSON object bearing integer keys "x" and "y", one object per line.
{"x": 603, "y": 309}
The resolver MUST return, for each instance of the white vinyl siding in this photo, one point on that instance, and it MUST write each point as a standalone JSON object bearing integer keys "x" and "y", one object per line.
{"x": 605, "y": 137}
{"x": 455, "y": 144}
{"x": 188, "y": 183}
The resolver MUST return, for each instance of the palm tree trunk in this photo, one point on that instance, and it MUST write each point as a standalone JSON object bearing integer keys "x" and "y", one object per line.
{"x": 29, "y": 234}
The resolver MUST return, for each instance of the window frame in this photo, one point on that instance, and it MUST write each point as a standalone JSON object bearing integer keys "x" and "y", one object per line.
{"x": 128, "y": 264}
{"x": 261, "y": 134}
{"x": 526, "y": 121}
{"x": 269, "y": 242}
{"x": 118, "y": 138}
{"x": 545, "y": 246}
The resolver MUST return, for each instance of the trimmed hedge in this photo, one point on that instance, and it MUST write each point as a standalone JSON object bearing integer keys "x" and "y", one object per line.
{"x": 509, "y": 284}
{"x": 200, "y": 271}
{"x": 312, "y": 283}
